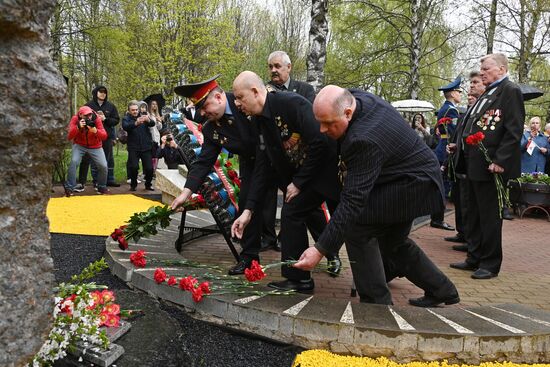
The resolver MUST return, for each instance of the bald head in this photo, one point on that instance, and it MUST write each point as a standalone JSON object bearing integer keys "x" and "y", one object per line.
{"x": 250, "y": 93}
{"x": 333, "y": 108}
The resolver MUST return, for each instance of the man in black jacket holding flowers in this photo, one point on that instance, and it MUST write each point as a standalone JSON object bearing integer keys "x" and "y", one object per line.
{"x": 499, "y": 114}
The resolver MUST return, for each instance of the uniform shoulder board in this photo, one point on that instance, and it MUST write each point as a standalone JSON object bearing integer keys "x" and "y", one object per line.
{"x": 270, "y": 88}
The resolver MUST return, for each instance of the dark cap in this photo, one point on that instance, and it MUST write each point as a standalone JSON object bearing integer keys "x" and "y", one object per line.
{"x": 197, "y": 92}
{"x": 454, "y": 85}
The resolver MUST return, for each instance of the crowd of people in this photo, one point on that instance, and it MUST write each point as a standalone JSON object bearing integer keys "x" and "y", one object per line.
{"x": 350, "y": 167}
{"x": 92, "y": 132}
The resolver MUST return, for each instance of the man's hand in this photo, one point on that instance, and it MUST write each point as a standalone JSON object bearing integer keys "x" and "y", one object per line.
{"x": 495, "y": 168}
{"x": 291, "y": 192}
{"x": 101, "y": 115}
{"x": 543, "y": 150}
{"x": 309, "y": 259}
{"x": 451, "y": 148}
{"x": 162, "y": 141}
{"x": 81, "y": 123}
{"x": 182, "y": 198}
{"x": 240, "y": 224}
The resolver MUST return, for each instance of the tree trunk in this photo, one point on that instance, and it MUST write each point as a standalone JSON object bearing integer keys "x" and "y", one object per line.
{"x": 415, "y": 48}
{"x": 32, "y": 125}
{"x": 317, "y": 55}
{"x": 492, "y": 27}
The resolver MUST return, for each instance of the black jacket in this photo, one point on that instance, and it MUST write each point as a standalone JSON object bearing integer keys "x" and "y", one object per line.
{"x": 109, "y": 110}
{"x": 301, "y": 88}
{"x": 503, "y": 102}
{"x": 391, "y": 175}
{"x": 310, "y": 164}
{"x": 139, "y": 137}
{"x": 172, "y": 156}
{"x": 236, "y": 133}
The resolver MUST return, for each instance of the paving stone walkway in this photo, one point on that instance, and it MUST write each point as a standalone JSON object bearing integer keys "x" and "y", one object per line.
{"x": 505, "y": 318}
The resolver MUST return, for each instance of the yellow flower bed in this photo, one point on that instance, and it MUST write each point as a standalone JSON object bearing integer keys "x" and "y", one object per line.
{"x": 95, "y": 215}
{"x": 323, "y": 358}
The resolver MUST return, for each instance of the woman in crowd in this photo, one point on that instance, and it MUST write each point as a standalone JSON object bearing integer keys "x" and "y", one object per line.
{"x": 154, "y": 113}
{"x": 534, "y": 148}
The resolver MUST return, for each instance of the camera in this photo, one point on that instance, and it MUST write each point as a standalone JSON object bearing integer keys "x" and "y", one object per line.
{"x": 169, "y": 138}
{"x": 90, "y": 122}
{"x": 143, "y": 113}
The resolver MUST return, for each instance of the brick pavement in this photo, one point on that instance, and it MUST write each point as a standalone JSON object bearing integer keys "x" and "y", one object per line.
{"x": 524, "y": 278}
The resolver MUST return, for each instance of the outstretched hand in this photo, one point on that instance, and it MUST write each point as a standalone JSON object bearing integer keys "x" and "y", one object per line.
{"x": 309, "y": 259}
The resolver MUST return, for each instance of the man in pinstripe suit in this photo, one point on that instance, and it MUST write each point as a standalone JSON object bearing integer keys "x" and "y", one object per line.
{"x": 390, "y": 177}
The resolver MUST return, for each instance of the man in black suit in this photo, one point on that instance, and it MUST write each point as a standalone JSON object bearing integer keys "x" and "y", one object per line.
{"x": 304, "y": 162}
{"x": 280, "y": 66}
{"x": 499, "y": 114}
{"x": 389, "y": 178}
{"x": 228, "y": 128}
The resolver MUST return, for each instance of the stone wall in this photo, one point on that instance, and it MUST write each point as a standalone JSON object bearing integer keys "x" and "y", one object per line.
{"x": 33, "y": 115}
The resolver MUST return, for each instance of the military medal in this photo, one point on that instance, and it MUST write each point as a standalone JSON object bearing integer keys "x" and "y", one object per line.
{"x": 492, "y": 127}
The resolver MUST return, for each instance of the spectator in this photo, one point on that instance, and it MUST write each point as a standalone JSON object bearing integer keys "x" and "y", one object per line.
{"x": 87, "y": 134}
{"x": 419, "y": 126}
{"x": 137, "y": 123}
{"x": 110, "y": 118}
{"x": 534, "y": 148}
{"x": 155, "y": 130}
{"x": 170, "y": 151}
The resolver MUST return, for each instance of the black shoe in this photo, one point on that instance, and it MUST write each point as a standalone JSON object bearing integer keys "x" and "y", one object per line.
{"x": 506, "y": 214}
{"x": 442, "y": 225}
{"x": 458, "y": 238}
{"x": 431, "y": 301}
{"x": 267, "y": 245}
{"x": 240, "y": 267}
{"x": 113, "y": 184}
{"x": 293, "y": 285}
{"x": 149, "y": 188}
{"x": 132, "y": 188}
{"x": 463, "y": 266}
{"x": 334, "y": 265}
{"x": 461, "y": 248}
{"x": 483, "y": 274}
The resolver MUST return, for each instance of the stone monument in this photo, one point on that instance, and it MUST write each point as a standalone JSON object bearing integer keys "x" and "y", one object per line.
{"x": 33, "y": 116}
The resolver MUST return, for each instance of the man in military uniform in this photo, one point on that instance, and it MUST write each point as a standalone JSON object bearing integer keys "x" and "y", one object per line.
{"x": 459, "y": 188}
{"x": 304, "y": 162}
{"x": 228, "y": 128}
{"x": 447, "y": 118}
{"x": 390, "y": 177}
{"x": 280, "y": 66}
{"x": 499, "y": 114}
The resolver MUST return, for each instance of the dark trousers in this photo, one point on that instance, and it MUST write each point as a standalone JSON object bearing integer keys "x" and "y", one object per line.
{"x": 132, "y": 166}
{"x": 459, "y": 195}
{"x": 250, "y": 242}
{"x": 86, "y": 161}
{"x": 269, "y": 211}
{"x": 296, "y": 216}
{"x": 484, "y": 226}
{"x": 367, "y": 265}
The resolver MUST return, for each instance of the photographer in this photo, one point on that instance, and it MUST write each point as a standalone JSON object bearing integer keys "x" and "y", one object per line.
{"x": 170, "y": 151}
{"x": 87, "y": 134}
{"x": 140, "y": 143}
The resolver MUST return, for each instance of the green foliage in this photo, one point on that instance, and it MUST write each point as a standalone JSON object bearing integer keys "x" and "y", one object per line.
{"x": 145, "y": 224}
{"x": 538, "y": 178}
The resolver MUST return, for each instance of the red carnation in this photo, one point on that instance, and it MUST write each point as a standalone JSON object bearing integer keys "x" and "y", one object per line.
{"x": 255, "y": 272}
{"x": 444, "y": 120}
{"x": 232, "y": 175}
{"x": 138, "y": 259}
{"x": 122, "y": 243}
{"x": 197, "y": 294}
{"x": 205, "y": 287}
{"x": 160, "y": 275}
{"x": 172, "y": 280}
{"x": 475, "y": 139}
{"x": 188, "y": 283}
{"x": 237, "y": 181}
{"x": 228, "y": 164}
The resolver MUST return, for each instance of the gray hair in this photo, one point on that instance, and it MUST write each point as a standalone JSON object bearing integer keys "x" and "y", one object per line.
{"x": 499, "y": 58}
{"x": 133, "y": 102}
{"x": 343, "y": 101}
{"x": 283, "y": 55}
